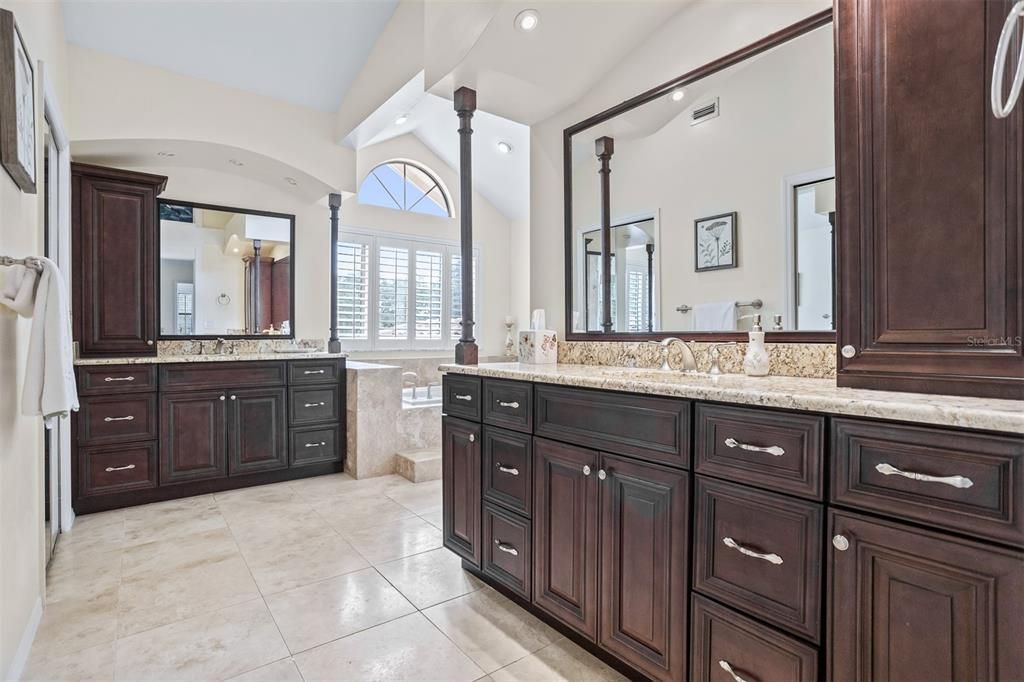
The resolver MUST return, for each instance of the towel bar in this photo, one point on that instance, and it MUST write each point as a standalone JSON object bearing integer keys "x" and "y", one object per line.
{"x": 28, "y": 262}
{"x": 756, "y": 304}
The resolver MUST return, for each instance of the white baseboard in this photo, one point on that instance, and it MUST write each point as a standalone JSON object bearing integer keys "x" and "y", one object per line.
{"x": 13, "y": 674}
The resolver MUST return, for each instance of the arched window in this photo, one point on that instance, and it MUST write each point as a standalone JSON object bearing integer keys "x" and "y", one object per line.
{"x": 405, "y": 186}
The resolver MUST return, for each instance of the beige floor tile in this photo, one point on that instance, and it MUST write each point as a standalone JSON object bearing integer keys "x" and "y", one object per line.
{"x": 289, "y": 563}
{"x": 74, "y": 624}
{"x": 318, "y": 613}
{"x": 148, "y": 600}
{"x": 395, "y": 540}
{"x": 268, "y": 532}
{"x": 560, "y": 661}
{"x": 214, "y": 646}
{"x": 278, "y": 671}
{"x": 347, "y": 515}
{"x": 93, "y": 534}
{"x": 409, "y": 648}
{"x": 490, "y": 629}
{"x": 250, "y": 505}
{"x": 74, "y": 575}
{"x": 434, "y": 518}
{"x": 167, "y": 555}
{"x": 430, "y": 578}
{"x": 94, "y": 664}
{"x": 419, "y": 497}
{"x": 171, "y": 519}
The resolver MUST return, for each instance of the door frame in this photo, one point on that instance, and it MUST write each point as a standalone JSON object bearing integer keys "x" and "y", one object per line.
{"x": 789, "y": 185}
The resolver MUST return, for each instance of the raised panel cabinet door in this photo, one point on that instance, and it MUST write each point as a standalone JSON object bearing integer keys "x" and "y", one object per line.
{"x": 193, "y": 436}
{"x": 257, "y": 430}
{"x": 908, "y": 605}
{"x": 460, "y": 488}
{"x": 565, "y": 518}
{"x": 931, "y": 206}
{"x": 644, "y": 566}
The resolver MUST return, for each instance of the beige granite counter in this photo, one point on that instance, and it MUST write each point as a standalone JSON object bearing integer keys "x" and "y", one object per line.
{"x": 225, "y": 357}
{"x": 816, "y": 395}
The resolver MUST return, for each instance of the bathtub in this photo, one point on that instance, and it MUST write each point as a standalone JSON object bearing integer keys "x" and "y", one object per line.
{"x": 421, "y": 396}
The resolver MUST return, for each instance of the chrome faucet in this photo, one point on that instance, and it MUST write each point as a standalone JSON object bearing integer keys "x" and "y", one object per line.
{"x": 689, "y": 359}
{"x": 218, "y": 349}
{"x": 715, "y": 354}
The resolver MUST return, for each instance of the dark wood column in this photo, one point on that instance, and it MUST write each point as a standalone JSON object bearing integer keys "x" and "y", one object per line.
{"x": 605, "y": 147}
{"x": 334, "y": 201}
{"x": 466, "y": 351}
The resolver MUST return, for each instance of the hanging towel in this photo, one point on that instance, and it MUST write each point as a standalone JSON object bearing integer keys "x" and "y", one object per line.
{"x": 19, "y": 289}
{"x": 50, "y": 390}
{"x": 715, "y": 317}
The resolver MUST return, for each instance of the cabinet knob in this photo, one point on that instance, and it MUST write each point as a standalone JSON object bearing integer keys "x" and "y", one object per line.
{"x": 848, "y": 351}
{"x": 602, "y": 474}
{"x": 222, "y": 397}
{"x": 472, "y": 438}
{"x": 233, "y": 397}
{"x": 841, "y": 543}
{"x": 586, "y": 470}
{"x": 149, "y": 342}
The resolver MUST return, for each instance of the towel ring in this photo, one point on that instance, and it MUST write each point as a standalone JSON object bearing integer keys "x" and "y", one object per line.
{"x": 999, "y": 108}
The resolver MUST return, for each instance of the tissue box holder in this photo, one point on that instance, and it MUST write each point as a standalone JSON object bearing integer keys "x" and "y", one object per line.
{"x": 538, "y": 347}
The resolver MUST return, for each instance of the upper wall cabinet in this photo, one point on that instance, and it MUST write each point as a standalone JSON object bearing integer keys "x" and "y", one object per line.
{"x": 113, "y": 225}
{"x": 930, "y": 205}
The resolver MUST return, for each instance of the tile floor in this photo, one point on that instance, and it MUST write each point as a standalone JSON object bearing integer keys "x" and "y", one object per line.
{"x": 327, "y": 578}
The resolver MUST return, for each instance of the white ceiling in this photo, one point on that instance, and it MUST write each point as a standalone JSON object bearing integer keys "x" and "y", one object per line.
{"x": 306, "y": 52}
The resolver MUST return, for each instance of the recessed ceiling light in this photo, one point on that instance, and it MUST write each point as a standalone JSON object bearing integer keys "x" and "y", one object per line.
{"x": 504, "y": 148}
{"x": 677, "y": 95}
{"x": 291, "y": 181}
{"x": 527, "y": 20}
{"x": 402, "y": 119}
{"x": 235, "y": 162}
{"x": 168, "y": 154}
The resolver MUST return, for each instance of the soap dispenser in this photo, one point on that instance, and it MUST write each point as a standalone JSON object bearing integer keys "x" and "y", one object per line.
{"x": 755, "y": 362}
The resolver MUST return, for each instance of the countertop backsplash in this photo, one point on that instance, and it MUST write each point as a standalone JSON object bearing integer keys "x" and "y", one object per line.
{"x": 238, "y": 346}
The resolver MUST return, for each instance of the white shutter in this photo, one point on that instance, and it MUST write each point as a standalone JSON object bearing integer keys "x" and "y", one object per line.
{"x": 392, "y": 293}
{"x": 354, "y": 289}
{"x": 429, "y": 295}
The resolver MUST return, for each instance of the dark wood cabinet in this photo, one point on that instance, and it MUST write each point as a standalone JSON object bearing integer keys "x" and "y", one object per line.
{"x": 930, "y": 208}
{"x": 257, "y": 430}
{"x": 193, "y": 436}
{"x": 460, "y": 486}
{"x": 114, "y": 245}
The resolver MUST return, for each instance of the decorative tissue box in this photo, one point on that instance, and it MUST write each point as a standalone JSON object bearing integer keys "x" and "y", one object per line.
{"x": 538, "y": 347}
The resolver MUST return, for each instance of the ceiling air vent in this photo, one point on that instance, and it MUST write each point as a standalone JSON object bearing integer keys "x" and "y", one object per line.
{"x": 704, "y": 112}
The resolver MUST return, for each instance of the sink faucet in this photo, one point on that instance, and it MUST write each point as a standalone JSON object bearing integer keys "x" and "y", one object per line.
{"x": 218, "y": 349}
{"x": 689, "y": 360}
{"x": 715, "y": 352}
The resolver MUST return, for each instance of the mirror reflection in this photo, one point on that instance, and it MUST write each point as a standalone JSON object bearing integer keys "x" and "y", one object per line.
{"x": 224, "y": 271}
{"x": 722, "y": 198}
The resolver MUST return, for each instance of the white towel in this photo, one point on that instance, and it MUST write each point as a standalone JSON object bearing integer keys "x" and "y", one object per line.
{"x": 714, "y": 317}
{"x": 19, "y": 289}
{"x": 50, "y": 389}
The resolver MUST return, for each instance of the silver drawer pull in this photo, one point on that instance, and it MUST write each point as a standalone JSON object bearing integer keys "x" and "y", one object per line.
{"x": 507, "y": 548}
{"x": 774, "y": 450}
{"x": 467, "y": 397}
{"x": 770, "y": 558}
{"x": 316, "y": 445}
{"x": 314, "y": 371}
{"x": 319, "y": 404}
{"x": 513, "y": 405}
{"x": 119, "y": 419}
{"x": 507, "y": 470}
{"x": 955, "y": 481}
{"x": 119, "y": 379}
{"x": 724, "y": 665}
{"x": 124, "y": 468}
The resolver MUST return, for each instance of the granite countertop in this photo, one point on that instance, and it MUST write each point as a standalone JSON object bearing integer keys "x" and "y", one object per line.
{"x": 224, "y": 357}
{"x": 816, "y": 395}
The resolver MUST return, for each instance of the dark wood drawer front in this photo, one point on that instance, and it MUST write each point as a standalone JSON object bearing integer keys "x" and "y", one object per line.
{"x": 960, "y": 481}
{"x": 461, "y": 397}
{"x": 725, "y": 641}
{"x": 219, "y": 375}
{"x": 107, "y": 469}
{"x": 117, "y": 419}
{"x": 508, "y": 465}
{"x": 316, "y": 371}
{"x": 780, "y": 451}
{"x": 313, "y": 445}
{"x": 506, "y": 549}
{"x": 314, "y": 405}
{"x": 508, "y": 404}
{"x": 100, "y": 379}
{"x": 653, "y": 428}
{"x": 760, "y": 553}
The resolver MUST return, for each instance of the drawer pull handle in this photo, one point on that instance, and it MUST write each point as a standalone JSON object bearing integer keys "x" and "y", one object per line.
{"x": 124, "y": 468}
{"x": 770, "y": 558}
{"x": 467, "y": 397}
{"x": 513, "y": 405}
{"x": 507, "y": 548}
{"x": 316, "y": 445}
{"x": 507, "y": 470}
{"x": 119, "y": 379}
{"x": 314, "y": 371}
{"x": 119, "y": 419}
{"x": 724, "y": 665}
{"x": 773, "y": 450}
{"x": 319, "y": 404}
{"x": 955, "y": 481}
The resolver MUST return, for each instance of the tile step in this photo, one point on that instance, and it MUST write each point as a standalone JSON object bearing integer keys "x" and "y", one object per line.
{"x": 419, "y": 465}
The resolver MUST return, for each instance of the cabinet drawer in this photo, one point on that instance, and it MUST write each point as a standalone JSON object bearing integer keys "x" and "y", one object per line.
{"x": 116, "y": 468}
{"x": 506, "y": 549}
{"x": 314, "y": 405}
{"x": 653, "y": 428}
{"x": 777, "y": 450}
{"x": 724, "y": 640}
{"x": 461, "y": 396}
{"x": 117, "y": 419}
{"x": 508, "y": 404}
{"x": 218, "y": 375}
{"x": 508, "y": 469}
{"x": 960, "y": 481}
{"x": 100, "y": 379}
{"x": 316, "y": 371}
{"x": 760, "y": 553}
{"x": 313, "y": 445}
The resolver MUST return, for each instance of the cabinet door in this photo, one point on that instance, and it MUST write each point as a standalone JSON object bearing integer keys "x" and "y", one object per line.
{"x": 460, "y": 487}
{"x": 930, "y": 204}
{"x": 257, "y": 430}
{"x": 909, "y": 605}
{"x": 193, "y": 436}
{"x": 565, "y": 533}
{"x": 644, "y": 539}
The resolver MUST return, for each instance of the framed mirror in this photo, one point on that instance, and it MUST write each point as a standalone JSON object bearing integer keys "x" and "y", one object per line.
{"x": 720, "y": 200}
{"x": 225, "y": 272}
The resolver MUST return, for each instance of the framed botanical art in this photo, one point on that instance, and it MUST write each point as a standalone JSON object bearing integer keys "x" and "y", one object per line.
{"x": 715, "y": 242}
{"x": 17, "y": 106}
